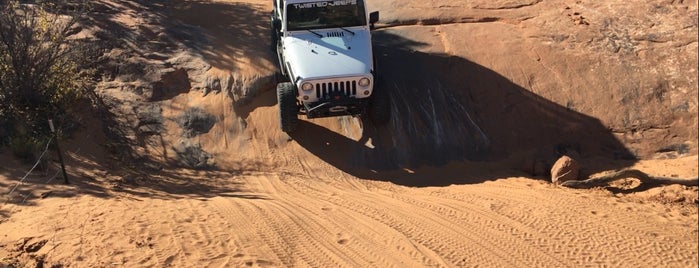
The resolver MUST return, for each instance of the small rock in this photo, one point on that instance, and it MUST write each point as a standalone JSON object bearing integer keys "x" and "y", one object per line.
{"x": 216, "y": 85}
{"x": 149, "y": 130}
{"x": 35, "y": 246}
{"x": 565, "y": 169}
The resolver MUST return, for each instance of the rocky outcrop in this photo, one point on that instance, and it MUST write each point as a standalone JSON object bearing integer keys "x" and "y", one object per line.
{"x": 154, "y": 54}
{"x": 485, "y": 79}
{"x": 632, "y": 67}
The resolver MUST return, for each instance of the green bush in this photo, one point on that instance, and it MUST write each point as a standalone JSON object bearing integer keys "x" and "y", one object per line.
{"x": 25, "y": 146}
{"x": 42, "y": 70}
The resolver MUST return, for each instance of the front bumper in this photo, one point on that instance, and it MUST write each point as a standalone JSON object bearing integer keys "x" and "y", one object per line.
{"x": 336, "y": 106}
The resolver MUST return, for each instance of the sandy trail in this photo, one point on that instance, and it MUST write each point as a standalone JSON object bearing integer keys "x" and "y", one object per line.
{"x": 289, "y": 218}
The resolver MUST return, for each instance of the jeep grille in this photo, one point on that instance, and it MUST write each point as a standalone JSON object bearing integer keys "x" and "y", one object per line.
{"x": 327, "y": 90}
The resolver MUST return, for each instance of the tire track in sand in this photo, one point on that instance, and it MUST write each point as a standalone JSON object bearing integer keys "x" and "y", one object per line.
{"x": 511, "y": 236}
{"x": 292, "y": 228}
{"x": 189, "y": 233}
{"x": 443, "y": 242}
{"x": 582, "y": 229}
{"x": 308, "y": 221}
{"x": 567, "y": 227}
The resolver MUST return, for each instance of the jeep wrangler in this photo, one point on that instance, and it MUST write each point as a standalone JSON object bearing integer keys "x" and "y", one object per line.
{"x": 326, "y": 61}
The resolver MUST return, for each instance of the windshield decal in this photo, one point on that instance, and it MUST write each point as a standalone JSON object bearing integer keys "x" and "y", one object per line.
{"x": 325, "y": 14}
{"x": 326, "y": 3}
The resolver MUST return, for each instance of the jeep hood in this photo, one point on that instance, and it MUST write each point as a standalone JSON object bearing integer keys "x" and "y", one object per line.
{"x": 342, "y": 54}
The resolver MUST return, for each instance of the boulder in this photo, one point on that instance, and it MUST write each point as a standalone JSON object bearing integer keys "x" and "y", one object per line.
{"x": 565, "y": 169}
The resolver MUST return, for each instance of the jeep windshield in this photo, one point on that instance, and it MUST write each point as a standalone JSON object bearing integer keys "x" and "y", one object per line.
{"x": 325, "y": 14}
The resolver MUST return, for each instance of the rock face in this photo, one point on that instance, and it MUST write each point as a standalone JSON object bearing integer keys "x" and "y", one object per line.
{"x": 565, "y": 169}
{"x": 171, "y": 84}
{"x": 468, "y": 79}
{"x": 631, "y": 67}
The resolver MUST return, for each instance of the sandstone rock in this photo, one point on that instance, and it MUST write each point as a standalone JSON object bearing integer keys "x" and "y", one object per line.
{"x": 172, "y": 83}
{"x": 553, "y": 85}
{"x": 640, "y": 97}
{"x": 565, "y": 169}
{"x": 216, "y": 83}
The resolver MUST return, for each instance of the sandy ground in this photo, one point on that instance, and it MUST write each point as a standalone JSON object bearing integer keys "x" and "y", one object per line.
{"x": 280, "y": 201}
{"x": 295, "y": 217}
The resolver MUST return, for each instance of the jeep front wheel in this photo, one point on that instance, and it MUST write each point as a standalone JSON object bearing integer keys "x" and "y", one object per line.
{"x": 288, "y": 109}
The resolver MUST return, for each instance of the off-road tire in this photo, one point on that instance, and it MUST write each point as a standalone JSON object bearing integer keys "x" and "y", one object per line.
{"x": 273, "y": 34}
{"x": 288, "y": 109}
{"x": 380, "y": 109}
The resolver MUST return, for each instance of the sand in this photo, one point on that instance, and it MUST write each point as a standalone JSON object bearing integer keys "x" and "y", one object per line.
{"x": 292, "y": 217}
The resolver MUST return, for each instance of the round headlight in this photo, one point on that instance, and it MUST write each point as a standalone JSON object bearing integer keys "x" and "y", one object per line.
{"x": 364, "y": 82}
{"x": 307, "y": 86}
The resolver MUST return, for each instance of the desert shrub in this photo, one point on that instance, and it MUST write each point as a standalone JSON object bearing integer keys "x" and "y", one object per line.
{"x": 25, "y": 145}
{"x": 195, "y": 121}
{"x": 42, "y": 69}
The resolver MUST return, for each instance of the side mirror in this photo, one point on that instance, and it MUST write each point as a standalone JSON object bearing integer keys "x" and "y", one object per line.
{"x": 277, "y": 24}
{"x": 373, "y": 18}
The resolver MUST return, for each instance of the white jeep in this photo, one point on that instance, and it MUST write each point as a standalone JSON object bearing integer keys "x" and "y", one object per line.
{"x": 325, "y": 56}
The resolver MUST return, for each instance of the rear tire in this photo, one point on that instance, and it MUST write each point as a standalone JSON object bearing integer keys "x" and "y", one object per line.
{"x": 380, "y": 109}
{"x": 288, "y": 108}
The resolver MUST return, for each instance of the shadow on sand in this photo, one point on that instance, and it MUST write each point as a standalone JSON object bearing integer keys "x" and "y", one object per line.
{"x": 447, "y": 109}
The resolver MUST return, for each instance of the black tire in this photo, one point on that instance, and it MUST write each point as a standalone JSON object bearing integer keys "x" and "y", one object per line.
{"x": 288, "y": 108}
{"x": 380, "y": 109}
{"x": 273, "y": 35}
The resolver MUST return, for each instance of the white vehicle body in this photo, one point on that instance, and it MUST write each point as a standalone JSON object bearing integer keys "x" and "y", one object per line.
{"x": 340, "y": 58}
{"x": 325, "y": 52}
